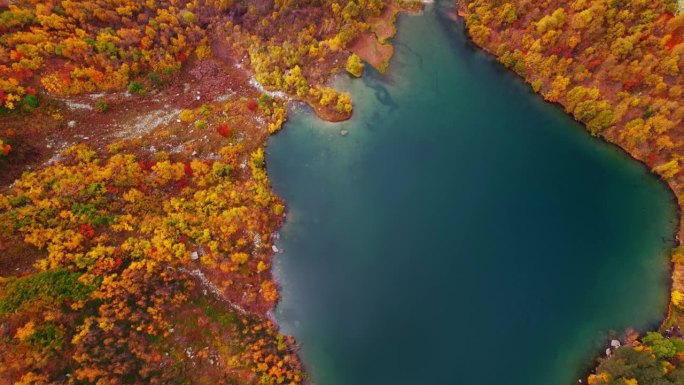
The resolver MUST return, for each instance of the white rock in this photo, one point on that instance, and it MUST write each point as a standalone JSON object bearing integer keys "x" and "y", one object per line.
{"x": 615, "y": 344}
{"x": 194, "y": 256}
{"x": 257, "y": 241}
{"x": 275, "y": 248}
{"x": 71, "y": 124}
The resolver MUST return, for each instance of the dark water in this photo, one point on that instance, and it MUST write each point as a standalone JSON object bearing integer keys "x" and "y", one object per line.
{"x": 464, "y": 232}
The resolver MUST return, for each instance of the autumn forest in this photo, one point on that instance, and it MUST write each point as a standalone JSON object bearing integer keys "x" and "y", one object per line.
{"x": 133, "y": 256}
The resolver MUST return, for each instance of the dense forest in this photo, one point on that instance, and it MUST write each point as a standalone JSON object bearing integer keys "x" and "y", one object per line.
{"x": 614, "y": 65}
{"x": 140, "y": 252}
{"x": 73, "y": 47}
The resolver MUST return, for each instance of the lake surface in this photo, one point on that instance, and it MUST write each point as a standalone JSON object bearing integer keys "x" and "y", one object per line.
{"x": 464, "y": 232}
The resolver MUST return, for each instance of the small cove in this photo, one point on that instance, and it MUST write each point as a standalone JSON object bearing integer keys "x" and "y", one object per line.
{"x": 464, "y": 232}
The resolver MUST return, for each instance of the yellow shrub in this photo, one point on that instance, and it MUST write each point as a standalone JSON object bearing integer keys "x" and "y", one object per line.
{"x": 599, "y": 379}
{"x": 354, "y": 65}
{"x": 186, "y": 116}
{"x": 677, "y": 298}
{"x": 25, "y": 331}
{"x": 239, "y": 258}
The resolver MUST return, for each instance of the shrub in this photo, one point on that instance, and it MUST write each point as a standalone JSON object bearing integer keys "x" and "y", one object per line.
{"x": 31, "y": 101}
{"x": 186, "y": 116}
{"x": 101, "y": 106}
{"x": 354, "y": 65}
{"x": 224, "y": 130}
{"x": 660, "y": 346}
{"x": 48, "y": 336}
{"x": 205, "y": 110}
{"x": 4, "y": 148}
{"x": 188, "y": 17}
{"x": 155, "y": 79}
{"x": 265, "y": 100}
{"x": 136, "y": 88}
{"x": 200, "y": 124}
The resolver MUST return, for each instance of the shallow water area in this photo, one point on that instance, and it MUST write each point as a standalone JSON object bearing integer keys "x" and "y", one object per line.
{"x": 464, "y": 231}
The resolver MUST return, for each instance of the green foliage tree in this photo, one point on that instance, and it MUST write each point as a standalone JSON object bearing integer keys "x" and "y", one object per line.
{"x": 136, "y": 88}
{"x": 661, "y": 346}
{"x": 50, "y": 287}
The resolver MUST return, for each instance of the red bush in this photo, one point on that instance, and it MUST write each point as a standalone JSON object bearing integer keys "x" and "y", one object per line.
{"x": 594, "y": 63}
{"x": 181, "y": 184}
{"x": 112, "y": 189}
{"x": 558, "y": 49}
{"x": 224, "y": 130}
{"x": 568, "y": 53}
{"x": 146, "y": 166}
{"x": 652, "y": 158}
{"x": 630, "y": 84}
{"x": 87, "y": 230}
{"x": 22, "y": 73}
{"x": 252, "y": 105}
{"x": 675, "y": 39}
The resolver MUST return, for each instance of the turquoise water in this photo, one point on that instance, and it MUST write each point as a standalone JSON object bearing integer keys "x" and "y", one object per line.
{"x": 464, "y": 232}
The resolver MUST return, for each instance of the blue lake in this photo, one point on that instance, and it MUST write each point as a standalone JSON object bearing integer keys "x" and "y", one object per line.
{"x": 464, "y": 232}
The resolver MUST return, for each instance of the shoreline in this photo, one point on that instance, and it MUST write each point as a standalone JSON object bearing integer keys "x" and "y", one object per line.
{"x": 459, "y": 15}
{"x": 587, "y": 365}
{"x": 303, "y": 106}
{"x": 212, "y": 121}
